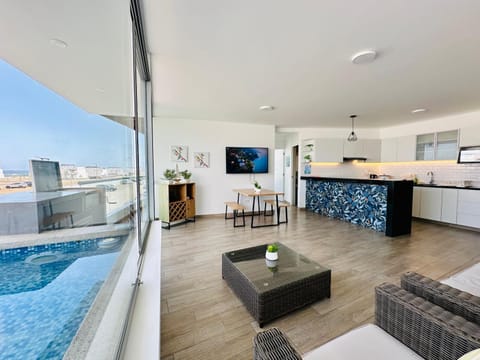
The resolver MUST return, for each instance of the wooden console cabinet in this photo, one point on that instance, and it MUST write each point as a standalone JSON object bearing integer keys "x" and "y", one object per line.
{"x": 177, "y": 202}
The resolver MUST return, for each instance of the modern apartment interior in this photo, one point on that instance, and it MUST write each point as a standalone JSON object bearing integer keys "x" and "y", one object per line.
{"x": 152, "y": 150}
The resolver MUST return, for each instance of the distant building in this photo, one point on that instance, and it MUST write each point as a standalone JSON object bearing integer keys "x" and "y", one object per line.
{"x": 115, "y": 171}
{"x": 94, "y": 172}
{"x": 1, "y": 174}
{"x": 82, "y": 172}
{"x": 68, "y": 171}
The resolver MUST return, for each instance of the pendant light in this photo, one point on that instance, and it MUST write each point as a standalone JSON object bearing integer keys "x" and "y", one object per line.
{"x": 352, "y": 136}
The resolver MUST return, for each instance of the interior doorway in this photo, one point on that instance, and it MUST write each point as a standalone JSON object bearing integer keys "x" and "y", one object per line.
{"x": 279, "y": 170}
{"x": 295, "y": 175}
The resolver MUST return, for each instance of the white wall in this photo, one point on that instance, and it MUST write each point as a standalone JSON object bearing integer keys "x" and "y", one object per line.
{"x": 214, "y": 186}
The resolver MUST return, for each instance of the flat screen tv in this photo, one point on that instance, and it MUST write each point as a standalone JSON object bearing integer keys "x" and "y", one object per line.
{"x": 246, "y": 160}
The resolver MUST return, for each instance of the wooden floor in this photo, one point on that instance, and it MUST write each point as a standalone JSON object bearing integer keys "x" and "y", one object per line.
{"x": 203, "y": 319}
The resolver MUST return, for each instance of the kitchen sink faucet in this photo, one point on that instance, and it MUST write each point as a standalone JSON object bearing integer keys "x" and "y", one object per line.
{"x": 430, "y": 177}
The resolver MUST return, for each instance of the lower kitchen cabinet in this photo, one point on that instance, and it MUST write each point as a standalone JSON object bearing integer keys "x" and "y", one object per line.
{"x": 449, "y": 206}
{"x": 453, "y": 206}
{"x": 431, "y": 203}
{"x": 468, "y": 209}
{"x": 417, "y": 200}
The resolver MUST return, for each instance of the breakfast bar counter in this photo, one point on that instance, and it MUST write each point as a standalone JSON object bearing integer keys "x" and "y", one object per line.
{"x": 381, "y": 205}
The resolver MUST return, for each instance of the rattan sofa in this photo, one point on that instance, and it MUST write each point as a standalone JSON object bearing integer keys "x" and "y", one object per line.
{"x": 423, "y": 319}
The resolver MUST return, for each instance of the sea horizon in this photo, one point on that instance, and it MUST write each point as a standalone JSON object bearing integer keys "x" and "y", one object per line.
{"x": 15, "y": 172}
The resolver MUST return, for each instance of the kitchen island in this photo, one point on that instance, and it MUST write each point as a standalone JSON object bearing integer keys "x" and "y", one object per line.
{"x": 381, "y": 205}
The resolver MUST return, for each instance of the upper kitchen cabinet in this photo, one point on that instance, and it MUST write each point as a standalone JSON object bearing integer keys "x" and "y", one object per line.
{"x": 437, "y": 146}
{"x": 398, "y": 149}
{"x": 364, "y": 148}
{"x": 389, "y": 150}
{"x": 328, "y": 150}
{"x": 322, "y": 150}
{"x": 470, "y": 136}
{"x": 406, "y": 148}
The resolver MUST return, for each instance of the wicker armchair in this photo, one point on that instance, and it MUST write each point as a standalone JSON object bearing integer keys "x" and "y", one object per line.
{"x": 436, "y": 322}
{"x": 456, "y": 301}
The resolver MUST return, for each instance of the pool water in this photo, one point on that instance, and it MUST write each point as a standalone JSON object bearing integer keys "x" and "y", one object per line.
{"x": 46, "y": 291}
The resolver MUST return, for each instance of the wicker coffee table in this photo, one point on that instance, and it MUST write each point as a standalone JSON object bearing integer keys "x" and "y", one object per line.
{"x": 268, "y": 291}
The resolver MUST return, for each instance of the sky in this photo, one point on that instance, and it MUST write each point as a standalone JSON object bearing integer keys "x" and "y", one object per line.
{"x": 36, "y": 122}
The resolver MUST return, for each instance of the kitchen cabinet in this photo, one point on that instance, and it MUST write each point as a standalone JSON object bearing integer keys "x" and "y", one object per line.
{"x": 406, "y": 148}
{"x": 417, "y": 199}
{"x": 366, "y": 148}
{"x": 328, "y": 150}
{"x": 372, "y": 150}
{"x": 449, "y": 206}
{"x": 470, "y": 136}
{"x": 437, "y": 146}
{"x": 453, "y": 206}
{"x": 398, "y": 149}
{"x": 468, "y": 208}
{"x": 353, "y": 149}
{"x": 389, "y": 150}
{"x": 431, "y": 203}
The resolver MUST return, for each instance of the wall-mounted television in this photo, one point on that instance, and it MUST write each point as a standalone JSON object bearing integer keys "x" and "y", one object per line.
{"x": 246, "y": 160}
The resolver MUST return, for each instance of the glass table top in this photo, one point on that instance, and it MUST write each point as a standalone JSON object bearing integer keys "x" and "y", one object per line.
{"x": 265, "y": 274}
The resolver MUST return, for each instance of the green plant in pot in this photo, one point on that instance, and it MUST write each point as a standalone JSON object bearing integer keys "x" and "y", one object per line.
{"x": 272, "y": 252}
{"x": 256, "y": 186}
{"x": 169, "y": 174}
{"x": 186, "y": 174}
{"x": 307, "y": 158}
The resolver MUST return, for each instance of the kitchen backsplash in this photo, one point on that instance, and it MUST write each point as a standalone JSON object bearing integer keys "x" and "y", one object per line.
{"x": 443, "y": 172}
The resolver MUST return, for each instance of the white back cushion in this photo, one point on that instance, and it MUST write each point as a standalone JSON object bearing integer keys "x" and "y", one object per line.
{"x": 367, "y": 342}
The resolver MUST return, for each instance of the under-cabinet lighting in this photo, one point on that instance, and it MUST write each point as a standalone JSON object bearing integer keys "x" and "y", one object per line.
{"x": 324, "y": 163}
{"x": 418, "y": 162}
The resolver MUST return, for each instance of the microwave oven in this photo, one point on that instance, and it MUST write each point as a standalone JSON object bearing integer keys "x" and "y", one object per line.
{"x": 469, "y": 155}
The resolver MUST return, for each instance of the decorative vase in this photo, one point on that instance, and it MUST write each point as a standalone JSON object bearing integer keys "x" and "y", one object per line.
{"x": 271, "y": 255}
{"x": 257, "y": 190}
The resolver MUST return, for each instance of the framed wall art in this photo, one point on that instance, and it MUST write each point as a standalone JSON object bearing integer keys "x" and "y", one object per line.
{"x": 179, "y": 153}
{"x": 201, "y": 159}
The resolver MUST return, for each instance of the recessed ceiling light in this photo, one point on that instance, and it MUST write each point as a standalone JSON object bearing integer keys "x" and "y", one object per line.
{"x": 59, "y": 43}
{"x": 417, "y": 111}
{"x": 266, "y": 108}
{"x": 100, "y": 90}
{"x": 364, "y": 57}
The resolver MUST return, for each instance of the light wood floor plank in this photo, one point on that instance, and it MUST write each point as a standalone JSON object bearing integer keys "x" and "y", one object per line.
{"x": 203, "y": 319}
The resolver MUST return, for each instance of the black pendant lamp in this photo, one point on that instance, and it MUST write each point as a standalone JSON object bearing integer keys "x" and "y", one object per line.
{"x": 352, "y": 137}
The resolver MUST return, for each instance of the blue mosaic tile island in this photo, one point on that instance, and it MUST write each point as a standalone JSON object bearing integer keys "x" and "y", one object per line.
{"x": 381, "y": 205}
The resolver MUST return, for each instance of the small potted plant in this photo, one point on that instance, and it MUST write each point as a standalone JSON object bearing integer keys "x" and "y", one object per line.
{"x": 169, "y": 174}
{"x": 307, "y": 158}
{"x": 272, "y": 252}
{"x": 257, "y": 187}
{"x": 186, "y": 175}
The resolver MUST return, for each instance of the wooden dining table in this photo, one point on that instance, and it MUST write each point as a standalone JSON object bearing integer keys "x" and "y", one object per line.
{"x": 251, "y": 193}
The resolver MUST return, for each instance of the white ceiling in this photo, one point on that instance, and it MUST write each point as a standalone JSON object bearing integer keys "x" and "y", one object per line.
{"x": 94, "y": 70}
{"x": 221, "y": 60}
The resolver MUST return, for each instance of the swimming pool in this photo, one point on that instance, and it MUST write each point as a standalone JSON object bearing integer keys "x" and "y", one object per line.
{"x": 46, "y": 291}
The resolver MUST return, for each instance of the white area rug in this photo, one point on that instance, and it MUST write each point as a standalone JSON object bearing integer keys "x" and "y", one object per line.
{"x": 467, "y": 280}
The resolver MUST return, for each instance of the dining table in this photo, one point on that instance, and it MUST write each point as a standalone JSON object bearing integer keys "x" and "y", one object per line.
{"x": 256, "y": 195}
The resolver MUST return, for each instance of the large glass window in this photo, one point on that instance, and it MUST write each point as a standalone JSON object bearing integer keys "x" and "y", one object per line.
{"x": 67, "y": 214}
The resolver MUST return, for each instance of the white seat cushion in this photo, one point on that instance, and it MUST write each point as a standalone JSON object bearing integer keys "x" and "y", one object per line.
{"x": 365, "y": 342}
{"x": 468, "y": 280}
